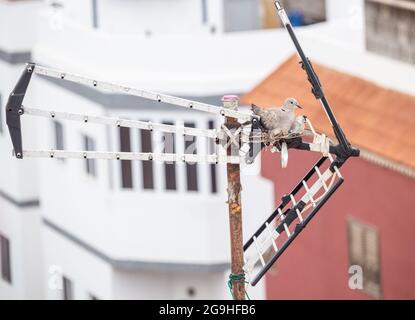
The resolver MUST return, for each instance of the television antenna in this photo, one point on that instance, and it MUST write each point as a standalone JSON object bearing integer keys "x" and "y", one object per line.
{"x": 240, "y": 138}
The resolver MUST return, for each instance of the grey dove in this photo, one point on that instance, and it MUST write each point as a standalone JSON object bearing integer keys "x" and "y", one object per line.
{"x": 298, "y": 125}
{"x": 278, "y": 120}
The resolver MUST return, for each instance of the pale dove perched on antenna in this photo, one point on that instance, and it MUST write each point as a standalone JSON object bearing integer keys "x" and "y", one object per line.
{"x": 278, "y": 121}
{"x": 298, "y": 125}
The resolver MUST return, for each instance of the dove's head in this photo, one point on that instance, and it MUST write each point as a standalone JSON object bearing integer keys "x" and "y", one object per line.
{"x": 291, "y": 104}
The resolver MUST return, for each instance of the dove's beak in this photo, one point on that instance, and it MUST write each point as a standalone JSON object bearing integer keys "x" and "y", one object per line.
{"x": 299, "y": 106}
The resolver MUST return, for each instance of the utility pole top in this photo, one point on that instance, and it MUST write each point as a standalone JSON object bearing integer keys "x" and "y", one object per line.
{"x": 230, "y": 102}
{"x": 237, "y": 277}
{"x": 230, "y": 97}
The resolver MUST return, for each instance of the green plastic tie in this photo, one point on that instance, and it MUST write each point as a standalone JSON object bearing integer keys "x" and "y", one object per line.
{"x": 239, "y": 277}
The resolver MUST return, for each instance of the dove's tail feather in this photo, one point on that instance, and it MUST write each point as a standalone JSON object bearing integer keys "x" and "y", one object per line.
{"x": 256, "y": 110}
{"x": 262, "y": 113}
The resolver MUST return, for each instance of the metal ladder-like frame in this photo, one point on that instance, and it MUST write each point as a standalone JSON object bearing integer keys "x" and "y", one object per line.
{"x": 15, "y": 109}
{"x": 274, "y": 236}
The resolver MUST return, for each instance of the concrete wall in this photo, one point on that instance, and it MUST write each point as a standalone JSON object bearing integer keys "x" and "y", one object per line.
{"x": 19, "y": 196}
{"x": 313, "y": 10}
{"x": 205, "y": 65}
{"x": 352, "y": 9}
{"x": 129, "y": 229}
{"x": 132, "y": 229}
{"x": 149, "y": 17}
{"x": 390, "y": 30}
{"x": 241, "y": 15}
{"x": 21, "y": 226}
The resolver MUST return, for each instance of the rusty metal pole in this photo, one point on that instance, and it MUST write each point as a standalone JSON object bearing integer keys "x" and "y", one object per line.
{"x": 234, "y": 203}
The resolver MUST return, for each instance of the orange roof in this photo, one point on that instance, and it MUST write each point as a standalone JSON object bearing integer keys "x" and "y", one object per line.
{"x": 374, "y": 118}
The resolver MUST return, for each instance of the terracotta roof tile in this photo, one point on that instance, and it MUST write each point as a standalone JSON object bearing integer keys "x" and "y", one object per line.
{"x": 367, "y": 112}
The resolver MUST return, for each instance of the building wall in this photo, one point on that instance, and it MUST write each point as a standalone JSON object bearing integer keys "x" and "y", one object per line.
{"x": 19, "y": 197}
{"x": 153, "y": 17}
{"x": 269, "y": 16}
{"x": 352, "y": 9}
{"x": 149, "y": 17}
{"x": 390, "y": 29}
{"x": 21, "y": 226}
{"x": 316, "y": 265}
{"x": 94, "y": 211}
{"x": 313, "y": 10}
{"x": 241, "y": 15}
{"x": 89, "y": 274}
{"x": 131, "y": 228}
{"x": 19, "y": 202}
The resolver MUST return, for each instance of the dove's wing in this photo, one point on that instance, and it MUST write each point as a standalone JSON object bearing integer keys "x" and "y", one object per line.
{"x": 257, "y": 110}
{"x": 269, "y": 119}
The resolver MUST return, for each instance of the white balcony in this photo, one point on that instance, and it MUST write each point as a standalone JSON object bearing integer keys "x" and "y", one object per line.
{"x": 16, "y": 25}
{"x": 134, "y": 225}
{"x": 182, "y": 64}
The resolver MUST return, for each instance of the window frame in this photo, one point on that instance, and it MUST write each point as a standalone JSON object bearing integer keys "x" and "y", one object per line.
{"x": 94, "y": 12}
{"x": 170, "y": 170}
{"x": 205, "y": 13}
{"x": 1, "y": 114}
{"x": 147, "y": 167}
{"x": 67, "y": 288}
{"x": 124, "y": 140}
{"x": 90, "y": 164}
{"x": 192, "y": 181}
{"x": 213, "y": 172}
{"x": 372, "y": 279}
{"x": 59, "y": 134}
{"x": 5, "y": 257}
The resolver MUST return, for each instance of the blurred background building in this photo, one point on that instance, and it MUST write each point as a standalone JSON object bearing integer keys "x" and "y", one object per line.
{"x": 390, "y": 28}
{"x": 73, "y": 229}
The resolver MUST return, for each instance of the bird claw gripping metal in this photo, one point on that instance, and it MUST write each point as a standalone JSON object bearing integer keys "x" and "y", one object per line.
{"x": 298, "y": 207}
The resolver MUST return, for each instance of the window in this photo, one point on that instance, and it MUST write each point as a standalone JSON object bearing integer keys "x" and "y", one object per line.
{"x": 67, "y": 289}
{"x": 90, "y": 164}
{"x": 59, "y": 144}
{"x": 364, "y": 252}
{"x": 147, "y": 166}
{"x": 268, "y": 17}
{"x": 169, "y": 168}
{"x": 6, "y": 272}
{"x": 191, "y": 292}
{"x": 212, "y": 167}
{"x": 204, "y": 11}
{"x": 126, "y": 171}
{"x": 1, "y": 115}
{"x": 95, "y": 13}
{"x": 93, "y": 297}
{"x": 191, "y": 168}
{"x": 59, "y": 141}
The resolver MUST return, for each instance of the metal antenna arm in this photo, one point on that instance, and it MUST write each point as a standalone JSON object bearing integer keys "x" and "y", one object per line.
{"x": 317, "y": 89}
{"x": 14, "y": 109}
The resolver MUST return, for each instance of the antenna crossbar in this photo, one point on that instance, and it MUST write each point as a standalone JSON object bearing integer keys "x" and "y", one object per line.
{"x": 106, "y": 155}
{"x": 119, "y": 122}
{"x": 150, "y": 95}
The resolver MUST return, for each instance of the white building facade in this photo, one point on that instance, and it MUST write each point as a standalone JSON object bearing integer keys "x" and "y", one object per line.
{"x": 20, "y": 224}
{"x": 120, "y": 230}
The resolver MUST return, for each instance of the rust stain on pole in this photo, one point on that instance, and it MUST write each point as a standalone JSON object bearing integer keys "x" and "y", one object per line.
{"x": 234, "y": 203}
